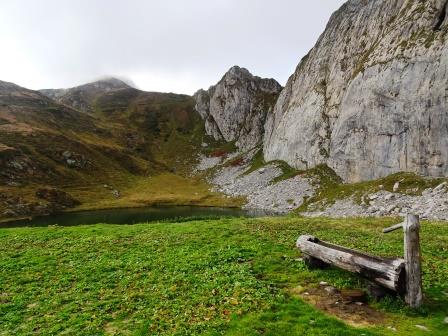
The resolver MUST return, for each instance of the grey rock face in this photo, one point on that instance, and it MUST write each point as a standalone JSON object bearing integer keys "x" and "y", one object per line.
{"x": 371, "y": 98}
{"x": 235, "y": 109}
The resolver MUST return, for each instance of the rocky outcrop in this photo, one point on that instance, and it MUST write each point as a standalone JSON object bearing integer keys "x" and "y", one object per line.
{"x": 371, "y": 98}
{"x": 235, "y": 109}
{"x": 57, "y": 197}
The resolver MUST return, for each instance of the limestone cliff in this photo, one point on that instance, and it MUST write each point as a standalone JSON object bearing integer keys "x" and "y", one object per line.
{"x": 370, "y": 98}
{"x": 235, "y": 109}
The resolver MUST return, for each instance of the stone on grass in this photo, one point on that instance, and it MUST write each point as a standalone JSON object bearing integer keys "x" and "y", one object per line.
{"x": 331, "y": 290}
{"x": 418, "y": 326}
{"x": 396, "y": 186}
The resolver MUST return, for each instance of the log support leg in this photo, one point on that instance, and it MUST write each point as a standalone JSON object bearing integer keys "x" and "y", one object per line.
{"x": 314, "y": 263}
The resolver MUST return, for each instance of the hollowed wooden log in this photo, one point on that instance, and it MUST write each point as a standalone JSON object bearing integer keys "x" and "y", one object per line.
{"x": 389, "y": 273}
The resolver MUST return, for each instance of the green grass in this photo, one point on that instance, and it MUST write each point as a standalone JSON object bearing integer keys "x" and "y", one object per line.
{"x": 162, "y": 189}
{"x": 209, "y": 277}
{"x": 258, "y": 162}
{"x": 287, "y": 171}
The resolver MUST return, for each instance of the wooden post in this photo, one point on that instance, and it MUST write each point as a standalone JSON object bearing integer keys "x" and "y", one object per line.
{"x": 412, "y": 257}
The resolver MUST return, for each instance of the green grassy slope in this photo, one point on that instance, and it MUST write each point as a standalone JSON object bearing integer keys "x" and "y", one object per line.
{"x": 211, "y": 277}
{"x": 125, "y": 137}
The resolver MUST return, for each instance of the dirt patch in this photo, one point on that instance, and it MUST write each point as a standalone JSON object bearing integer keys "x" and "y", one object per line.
{"x": 356, "y": 314}
{"x": 113, "y": 328}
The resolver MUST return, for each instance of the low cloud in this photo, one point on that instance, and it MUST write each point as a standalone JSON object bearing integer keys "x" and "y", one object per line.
{"x": 174, "y": 45}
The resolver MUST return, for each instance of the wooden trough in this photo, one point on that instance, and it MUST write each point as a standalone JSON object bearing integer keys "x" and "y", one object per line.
{"x": 402, "y": 276}
{"x": 389, "y": 273}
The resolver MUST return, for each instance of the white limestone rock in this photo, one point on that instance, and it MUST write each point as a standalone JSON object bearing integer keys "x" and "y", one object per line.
{"x": 370, "y": 99}
{"x": 235, "y": 109}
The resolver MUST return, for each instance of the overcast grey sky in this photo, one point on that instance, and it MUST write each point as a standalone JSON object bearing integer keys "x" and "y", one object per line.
{"x": 165, "y": 45}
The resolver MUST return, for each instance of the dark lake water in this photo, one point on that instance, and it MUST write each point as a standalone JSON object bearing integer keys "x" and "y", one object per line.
{"x": 132, "y": 216}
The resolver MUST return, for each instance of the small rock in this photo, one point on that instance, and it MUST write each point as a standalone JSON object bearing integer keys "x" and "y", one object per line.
{"x": 396, "y": 186}
{"x": 261, "y": 170}
{"x": 359, "y": 303}
{"x": 389, "y": 197}
{"x": 421, "y": 327}
{"x": 392, "y": 328}
{"x": 67, "y": 154}
{"x": 71, "y": 162}
{"x": 373, "y": 197}
{"x": 381, "y": 187}
{"x": 331, "y": 290}
{"x": 445, "y": 320}
{"x": 363, "y": 201}
{"x": 323, "y": 283}
{"x": 116, "y": 193}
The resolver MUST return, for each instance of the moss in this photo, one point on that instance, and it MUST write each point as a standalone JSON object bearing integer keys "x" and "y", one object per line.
{"x": 220, "y": 147}
{"x": 364, "y": 60}
{"x": 287, "y": 171}
{"x": 256, "y": 163}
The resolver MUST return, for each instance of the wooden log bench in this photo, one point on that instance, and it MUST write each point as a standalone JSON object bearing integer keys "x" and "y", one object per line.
{"x": 400, "y": 275}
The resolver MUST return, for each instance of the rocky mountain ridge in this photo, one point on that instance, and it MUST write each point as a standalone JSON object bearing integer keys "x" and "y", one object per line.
{"x": 369, "y": 100}
{"x": 235, "y": 109}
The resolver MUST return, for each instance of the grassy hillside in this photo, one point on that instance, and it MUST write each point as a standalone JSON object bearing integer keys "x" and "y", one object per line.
{"x": 210, "y": 277}
{"x": 102, "y": 147}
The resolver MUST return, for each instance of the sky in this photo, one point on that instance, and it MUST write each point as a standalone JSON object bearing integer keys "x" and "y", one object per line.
{"x": 168, "y": 46}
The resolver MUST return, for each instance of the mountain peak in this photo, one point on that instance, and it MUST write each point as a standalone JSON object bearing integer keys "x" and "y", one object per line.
{"x": 116, "y": 82}
{"x": 236, "y": 107}
{"x": 237, "y": 70}
{"x": 108, "y": 83}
